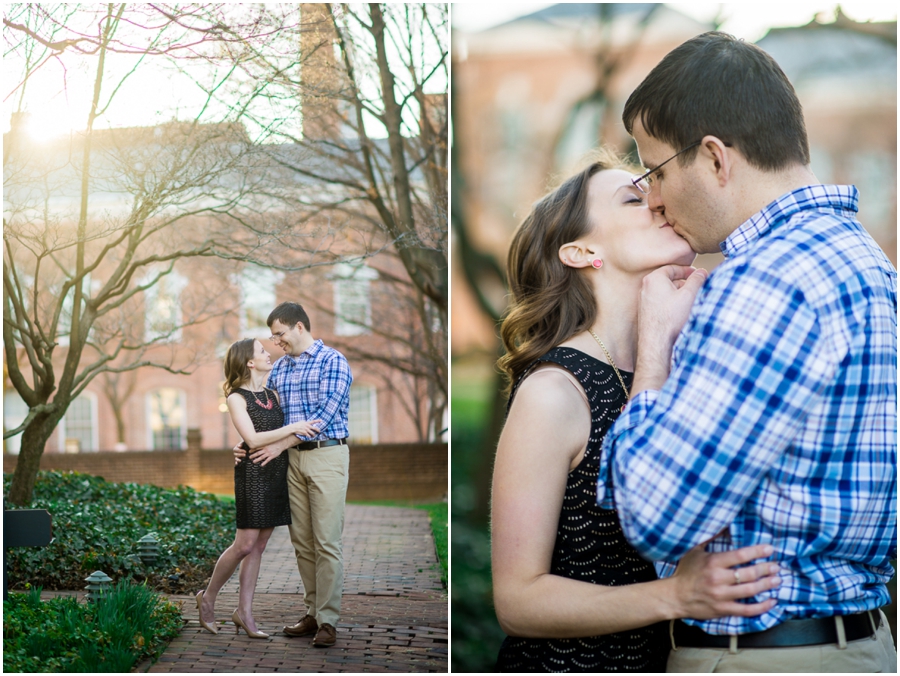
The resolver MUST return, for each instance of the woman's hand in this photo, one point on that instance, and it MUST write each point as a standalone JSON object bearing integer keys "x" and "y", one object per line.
{"x": 708, "y": 585}
{"x": 306, "y": 428}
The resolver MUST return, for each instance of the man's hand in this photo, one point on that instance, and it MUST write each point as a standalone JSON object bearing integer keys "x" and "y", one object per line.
{"x": 263, "y": 456}
{"x": 239, "y": 454}
{"x": 667, "y": 295}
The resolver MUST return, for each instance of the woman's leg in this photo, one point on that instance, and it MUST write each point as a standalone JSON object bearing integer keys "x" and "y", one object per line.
{"x": 244, "y": 543}
{"x": 249, "y": 575}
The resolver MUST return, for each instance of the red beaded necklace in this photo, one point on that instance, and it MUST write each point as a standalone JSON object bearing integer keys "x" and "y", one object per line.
{"x": 269, "y": 402}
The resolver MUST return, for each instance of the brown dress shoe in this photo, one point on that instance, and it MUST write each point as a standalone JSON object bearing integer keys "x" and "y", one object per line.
{"x": 304, "y": 627}
{"x": 325, "y": 637}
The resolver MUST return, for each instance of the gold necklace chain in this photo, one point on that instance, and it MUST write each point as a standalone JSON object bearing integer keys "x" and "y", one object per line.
{"x": 611, "y": 363}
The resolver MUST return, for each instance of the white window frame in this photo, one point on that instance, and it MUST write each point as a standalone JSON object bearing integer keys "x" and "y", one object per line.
{"x": 352, "y": 287}
{"x": 174, "y": 283}
{"x": 63, "y": 434}
{"x": 182, "y": 432}
{"x": 10, "y": 422}
{"x": 372, "y": 395}
{"x": 251, "y": 281}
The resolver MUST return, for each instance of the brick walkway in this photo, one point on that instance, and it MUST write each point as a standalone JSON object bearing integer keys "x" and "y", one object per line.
{"x": 393, "y": 614}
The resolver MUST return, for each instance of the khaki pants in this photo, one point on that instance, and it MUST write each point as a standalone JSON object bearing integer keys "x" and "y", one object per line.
{"x": 317, "y": 485}
{"x": 867, "y": 655}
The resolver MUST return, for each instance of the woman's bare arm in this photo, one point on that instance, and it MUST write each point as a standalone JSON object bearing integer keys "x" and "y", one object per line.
{"x": 237, "y": 408}
{"x": 546, "y": 432}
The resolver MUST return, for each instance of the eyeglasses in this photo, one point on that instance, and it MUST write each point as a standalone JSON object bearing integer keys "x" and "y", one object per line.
{"x": 644, "y": 182}
{"x": 280, "y": 334}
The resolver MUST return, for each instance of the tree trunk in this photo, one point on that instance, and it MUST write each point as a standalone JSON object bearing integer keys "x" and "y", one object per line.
{"x": 34, "y": 438}
{"x": 120, "y": 425}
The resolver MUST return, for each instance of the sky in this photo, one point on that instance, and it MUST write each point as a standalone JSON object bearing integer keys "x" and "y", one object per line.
{"x": 58, "y": 95}
{"x": 746, "y": 20}
{"x": 58, "y": 109}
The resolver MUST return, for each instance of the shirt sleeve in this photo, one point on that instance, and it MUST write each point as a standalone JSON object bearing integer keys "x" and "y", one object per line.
{"x": 682, "y": 461}
{"x": 334, "y": 388}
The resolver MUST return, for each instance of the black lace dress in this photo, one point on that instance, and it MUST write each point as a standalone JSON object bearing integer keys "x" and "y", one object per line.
{"x": 590, "y": 546}
{"x": 261, "y": 493}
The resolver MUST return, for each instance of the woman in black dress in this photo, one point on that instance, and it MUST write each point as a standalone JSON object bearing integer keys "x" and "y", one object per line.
{"x": 569, "y": 590}
{"x": 260, "y": 491}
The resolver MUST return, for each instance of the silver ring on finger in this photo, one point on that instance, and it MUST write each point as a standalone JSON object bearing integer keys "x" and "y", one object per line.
{"x": 737, "y": 576}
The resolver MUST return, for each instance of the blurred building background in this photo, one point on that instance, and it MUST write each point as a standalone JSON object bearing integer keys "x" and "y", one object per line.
{"x": 530, "y": 97}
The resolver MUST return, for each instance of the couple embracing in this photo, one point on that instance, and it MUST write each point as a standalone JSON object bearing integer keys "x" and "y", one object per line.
{"x": 737, "y": 429}
{"x": 291, "y": 470}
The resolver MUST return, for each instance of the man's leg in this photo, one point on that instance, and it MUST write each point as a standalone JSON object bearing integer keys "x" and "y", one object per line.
{"x": 327, "y": 472}
{"x": 301, "y": 527}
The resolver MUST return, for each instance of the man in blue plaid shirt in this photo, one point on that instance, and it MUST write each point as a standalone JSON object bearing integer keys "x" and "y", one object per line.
{"x": 313, "y": 384}
{"x": 770, "y": 417}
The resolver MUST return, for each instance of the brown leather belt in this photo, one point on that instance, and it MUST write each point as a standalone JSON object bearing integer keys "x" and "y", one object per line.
{"x": 309, "y": 445}
{"x": 814, "y": 631}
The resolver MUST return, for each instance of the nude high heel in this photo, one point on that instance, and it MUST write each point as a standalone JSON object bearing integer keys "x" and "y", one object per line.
{"x": 238, "y": 625}
{"x": 211, "y": 629}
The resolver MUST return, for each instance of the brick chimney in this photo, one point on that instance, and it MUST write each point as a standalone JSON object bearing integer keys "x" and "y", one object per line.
{"x": 321, "y": 76}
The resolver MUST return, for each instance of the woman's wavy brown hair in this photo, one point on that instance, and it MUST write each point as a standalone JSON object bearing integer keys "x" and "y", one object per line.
{"x": 236, "y": 370}
{"x": 550, "y": 302}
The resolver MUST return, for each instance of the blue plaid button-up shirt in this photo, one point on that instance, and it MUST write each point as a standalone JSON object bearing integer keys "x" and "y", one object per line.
{"x": 315, "y": 386}
{"x": 778, "y": 421}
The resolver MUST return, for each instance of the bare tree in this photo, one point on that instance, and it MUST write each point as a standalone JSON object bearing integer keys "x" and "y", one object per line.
{"x": 359, "y": 164}
{"x": 118, "y": 386}
{"x": 406, "y": 344}
{"x": 95, "y": 227}
{"x": 279, "y": 167}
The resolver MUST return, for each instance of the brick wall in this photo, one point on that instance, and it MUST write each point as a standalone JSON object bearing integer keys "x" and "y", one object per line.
{"x": 379, "y": 472}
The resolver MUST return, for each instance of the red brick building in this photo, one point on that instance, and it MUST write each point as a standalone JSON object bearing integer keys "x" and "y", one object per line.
{"x": 195, "y": 312}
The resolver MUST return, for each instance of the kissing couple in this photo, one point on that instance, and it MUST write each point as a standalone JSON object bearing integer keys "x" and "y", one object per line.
{"x": 737, "y": 428}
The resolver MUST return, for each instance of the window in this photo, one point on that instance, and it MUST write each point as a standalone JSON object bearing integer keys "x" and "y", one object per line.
{"x": 15, "y": 410}
{"x": 363, "y": 418}
{"x": 162, "y": 307}
{"x": 166, "y": 415}
{"x": 352, "y": 305}
{"x": 78, "y": 429}
{"x": 257, "y": 286}
{"x": 876, "y": 173}
{"x": 64, "y": 328}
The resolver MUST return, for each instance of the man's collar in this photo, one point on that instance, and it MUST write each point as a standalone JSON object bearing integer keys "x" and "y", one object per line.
{"x": 308, "y": 353}
{"x": 826, "y": 197}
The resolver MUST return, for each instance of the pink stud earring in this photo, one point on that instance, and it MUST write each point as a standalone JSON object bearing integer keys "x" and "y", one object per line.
{"x": 597, "y": 263}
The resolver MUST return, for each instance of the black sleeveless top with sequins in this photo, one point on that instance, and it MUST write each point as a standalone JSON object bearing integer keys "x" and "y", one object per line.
{"x": 261, "y": 492}
{"x": 590, "y": 546}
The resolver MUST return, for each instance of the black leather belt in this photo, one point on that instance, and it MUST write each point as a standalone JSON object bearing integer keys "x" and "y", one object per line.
{"x": 309, "y": 445}
{"x": 815, "y": 631}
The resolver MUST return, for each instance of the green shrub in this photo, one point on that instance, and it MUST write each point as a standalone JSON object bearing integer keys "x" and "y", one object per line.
{"x": 127, "y": 624}
{"x": 476, "y": 633}
{"x": 96, "y": 525}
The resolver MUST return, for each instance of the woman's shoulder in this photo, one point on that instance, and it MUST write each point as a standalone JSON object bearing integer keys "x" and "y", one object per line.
{"x": 549, "y": 388}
